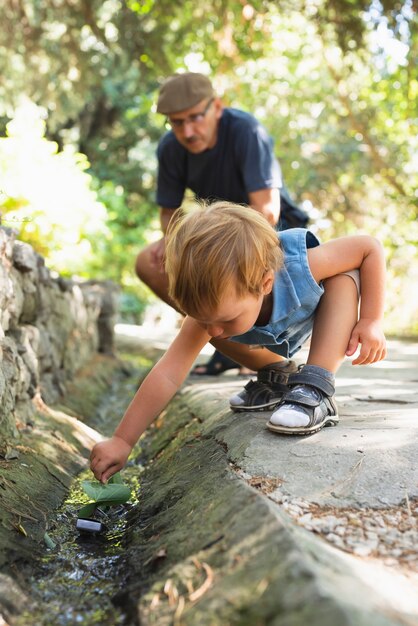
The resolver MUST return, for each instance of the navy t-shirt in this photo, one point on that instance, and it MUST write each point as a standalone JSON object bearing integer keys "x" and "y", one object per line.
{"x": 242, "y": 161}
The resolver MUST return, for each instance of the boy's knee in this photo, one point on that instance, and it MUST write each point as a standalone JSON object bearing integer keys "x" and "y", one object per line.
{"x": 143, "y": 265}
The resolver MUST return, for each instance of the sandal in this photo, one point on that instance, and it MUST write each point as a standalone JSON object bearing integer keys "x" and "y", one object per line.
{"x": 267, "y": 391}
{"x": 217, "y": 364}
{"x": 310, "y": 397}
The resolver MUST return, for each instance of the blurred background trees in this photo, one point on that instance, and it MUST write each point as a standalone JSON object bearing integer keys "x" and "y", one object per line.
{"x": 332, "y": 80}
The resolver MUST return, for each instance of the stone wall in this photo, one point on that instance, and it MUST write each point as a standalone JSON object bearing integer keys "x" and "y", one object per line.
{"x": 49, "y": 328}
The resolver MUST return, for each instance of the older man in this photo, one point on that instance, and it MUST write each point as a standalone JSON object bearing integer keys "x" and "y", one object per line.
{"x": 220, "y": 154}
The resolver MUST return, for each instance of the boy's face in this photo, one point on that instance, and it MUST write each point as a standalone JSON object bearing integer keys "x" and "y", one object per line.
{"x": 235, "y": 315}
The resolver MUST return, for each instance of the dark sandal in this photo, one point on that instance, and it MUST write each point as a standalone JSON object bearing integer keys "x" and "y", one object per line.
{"x": 267, "y": 391}
{"x": 258, "y": 397}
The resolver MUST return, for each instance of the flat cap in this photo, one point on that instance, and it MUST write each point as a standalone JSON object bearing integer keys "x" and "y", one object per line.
{"x": 183, "y": 91}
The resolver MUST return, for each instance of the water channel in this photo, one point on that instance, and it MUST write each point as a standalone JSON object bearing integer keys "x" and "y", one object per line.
{"x": 80, "y": 578}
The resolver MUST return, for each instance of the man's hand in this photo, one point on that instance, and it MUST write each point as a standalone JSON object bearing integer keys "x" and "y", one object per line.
{"x": 157, "y": 251}
{"x": 370, "y": 335}
{"x": 108, "y": 457}
{"x": 266, "y": 202}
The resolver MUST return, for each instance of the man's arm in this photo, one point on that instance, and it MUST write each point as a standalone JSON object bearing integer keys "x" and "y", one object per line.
{"x": 266, "y": 202}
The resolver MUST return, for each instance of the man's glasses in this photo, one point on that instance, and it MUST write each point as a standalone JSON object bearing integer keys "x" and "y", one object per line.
{"x": 194, "y": 118}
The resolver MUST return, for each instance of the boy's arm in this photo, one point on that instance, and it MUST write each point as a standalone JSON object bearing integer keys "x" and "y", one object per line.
{"x": 366, "y": 254}
{"x": 153, "y": 395}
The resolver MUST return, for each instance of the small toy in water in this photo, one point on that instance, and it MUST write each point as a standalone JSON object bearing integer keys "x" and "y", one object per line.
{"x": 103, "y": 496}
{"x": 89, "y": 525}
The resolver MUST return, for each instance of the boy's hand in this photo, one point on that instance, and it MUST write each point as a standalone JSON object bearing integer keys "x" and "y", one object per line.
{"x": 108, "y": 457}
{"x": 370, "y": 335}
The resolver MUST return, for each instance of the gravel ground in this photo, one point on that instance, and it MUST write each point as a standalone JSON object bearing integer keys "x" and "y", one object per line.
{"x": 388, "y": 534}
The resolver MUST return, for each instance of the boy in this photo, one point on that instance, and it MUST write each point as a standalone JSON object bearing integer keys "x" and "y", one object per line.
{"x": 257, "y": 300}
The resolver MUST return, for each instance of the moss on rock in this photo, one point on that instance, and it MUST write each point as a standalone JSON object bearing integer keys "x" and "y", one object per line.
{"x": 37, "y": 467}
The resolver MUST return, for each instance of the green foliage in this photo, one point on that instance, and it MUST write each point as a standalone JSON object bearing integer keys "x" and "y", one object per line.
{"x": 113, "y": 492}
{"x": 332, "y": 80}
{"x": 48, "y": 197}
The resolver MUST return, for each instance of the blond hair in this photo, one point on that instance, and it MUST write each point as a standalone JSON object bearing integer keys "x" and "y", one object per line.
{"x": 219, "y": 247}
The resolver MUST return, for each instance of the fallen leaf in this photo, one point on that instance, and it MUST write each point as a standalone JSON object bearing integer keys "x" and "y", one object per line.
{"x": 196, "y": 595}
{"x": 21, "y": 530}
{"x": 113, "y": 493}
{"x": 171, "y": 592}
{"x": 155, "y": 601}
{"x": 179, "y": 610}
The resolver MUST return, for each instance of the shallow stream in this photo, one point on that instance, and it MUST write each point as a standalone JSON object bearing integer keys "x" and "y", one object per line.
{"x": 81, "y": 577}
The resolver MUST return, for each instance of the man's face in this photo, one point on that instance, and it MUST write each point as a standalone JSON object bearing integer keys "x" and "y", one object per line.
{"x": 197, "y": 128}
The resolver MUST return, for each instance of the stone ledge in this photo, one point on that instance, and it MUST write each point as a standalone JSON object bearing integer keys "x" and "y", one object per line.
{"x": 201, "y": 526}
{"x": 49, "y": 328}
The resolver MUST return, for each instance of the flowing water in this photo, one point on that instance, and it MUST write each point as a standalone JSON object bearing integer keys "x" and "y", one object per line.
{"x": 80, "y": 578}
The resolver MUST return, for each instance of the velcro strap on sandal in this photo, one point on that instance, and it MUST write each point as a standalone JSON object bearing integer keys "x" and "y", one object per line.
{"x": 272, "y": 377}
{"x": 314, "y": 376}
{"x": 277, "y": 373}
{"x": 297, "y": 396}
{"x": 251, "y": 385}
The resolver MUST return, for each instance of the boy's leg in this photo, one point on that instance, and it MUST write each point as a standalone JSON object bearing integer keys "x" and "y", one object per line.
{"x": 253, "y": 358}
{"x": 272, "y": 375}
{"x": 335, "y": 319}
{"x": 309, "y": 405}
